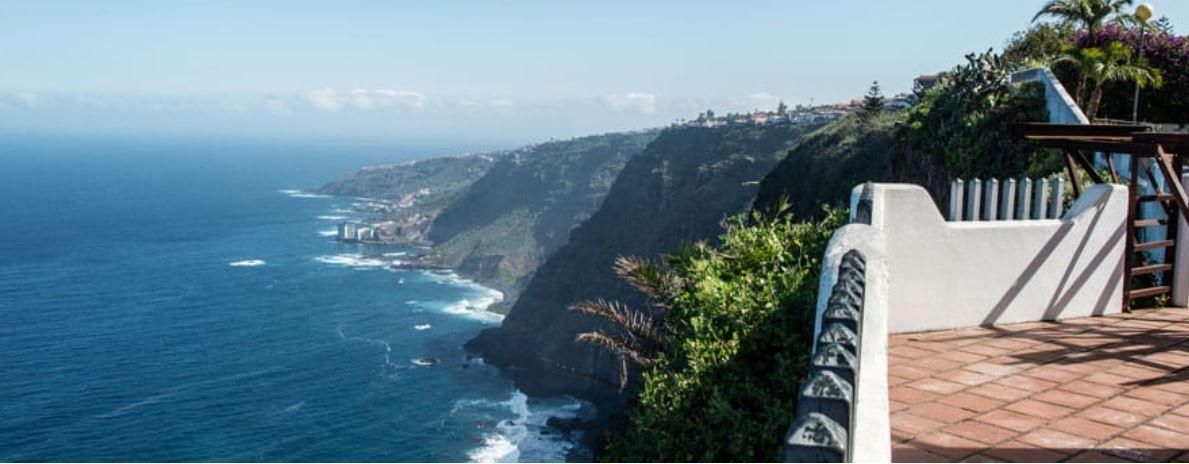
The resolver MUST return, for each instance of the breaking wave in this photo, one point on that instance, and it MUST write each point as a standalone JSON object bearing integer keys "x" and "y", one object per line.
{"x": 351, "y": 260}
{"x": 247, "y": 263}
{"x": 525, "y": 437}
{"x": 300, "y": 194}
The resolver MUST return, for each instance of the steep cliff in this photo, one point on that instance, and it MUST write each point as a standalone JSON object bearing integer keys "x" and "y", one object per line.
{"x": 824, "y": 167}
{"x": 522, "y": 210}
{"x": 421, "y": 188}
{"x": 677, "y": 191}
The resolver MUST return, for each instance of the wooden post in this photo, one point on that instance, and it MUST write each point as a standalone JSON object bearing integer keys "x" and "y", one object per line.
{"x": 1129, "y": 245}
{"x": 1073, "y": 175}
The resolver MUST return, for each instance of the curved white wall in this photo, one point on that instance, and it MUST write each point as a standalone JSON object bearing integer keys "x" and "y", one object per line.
{"x": 948, "y": 275}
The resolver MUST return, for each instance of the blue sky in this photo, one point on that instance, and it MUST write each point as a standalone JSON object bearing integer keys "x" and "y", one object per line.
{"x": 516, "y": 71}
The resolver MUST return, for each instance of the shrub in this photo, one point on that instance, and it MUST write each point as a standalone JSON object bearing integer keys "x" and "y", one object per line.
{"x": 738, "y": 331}
{"x": 1164, "y": 51}
{"x": 963, "y": 127}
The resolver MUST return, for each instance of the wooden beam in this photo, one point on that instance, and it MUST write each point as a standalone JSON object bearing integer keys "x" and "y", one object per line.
{"x": 1165, "y": 162}
{"x": 1096, "y": 131}
{"x": 1106, "y": 146}
{"x": 1074, "y": 179}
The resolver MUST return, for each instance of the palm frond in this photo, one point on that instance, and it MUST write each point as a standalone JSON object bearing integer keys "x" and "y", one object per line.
{"x": 637, "y": 325}
{"x": 655, "y": 279}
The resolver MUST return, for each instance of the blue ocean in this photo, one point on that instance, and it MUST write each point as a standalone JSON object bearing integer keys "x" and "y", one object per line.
{"x": 182, "y": 300}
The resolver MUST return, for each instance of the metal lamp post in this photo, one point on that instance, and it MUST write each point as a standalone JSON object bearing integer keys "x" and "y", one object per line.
{"x": 1143, "y": 13}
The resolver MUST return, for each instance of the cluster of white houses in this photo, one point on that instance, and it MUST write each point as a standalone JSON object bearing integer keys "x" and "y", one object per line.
{"x": 355, "y": 232}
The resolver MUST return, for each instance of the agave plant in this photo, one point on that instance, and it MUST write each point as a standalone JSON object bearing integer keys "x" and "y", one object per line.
{"x": 637, "y": 336}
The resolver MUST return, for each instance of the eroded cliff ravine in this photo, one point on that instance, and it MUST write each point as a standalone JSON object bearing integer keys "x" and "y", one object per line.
{"x": 676, "y": 192}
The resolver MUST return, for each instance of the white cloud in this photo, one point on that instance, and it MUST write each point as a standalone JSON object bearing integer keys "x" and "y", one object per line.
{"x": 363, "y": 99}
{"x": 21, "y": 99}
{"x": 632, "y": 102}
{"x": 756, "y": 101}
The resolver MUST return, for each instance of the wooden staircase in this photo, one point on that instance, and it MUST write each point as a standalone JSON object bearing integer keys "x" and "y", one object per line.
{"x": 1155, "y": 161}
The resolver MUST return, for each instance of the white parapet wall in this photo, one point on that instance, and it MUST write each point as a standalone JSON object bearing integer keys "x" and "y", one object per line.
{"x": 950, "y": 275}
{"x": 1062, "y": 109}
{"x": 871, "y": 429}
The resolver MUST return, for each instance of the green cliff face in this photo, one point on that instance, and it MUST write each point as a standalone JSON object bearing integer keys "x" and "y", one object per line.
{"x": 677, "y": 191}
{"x": 824, "y": 167}
{"x": 504, "y": 225}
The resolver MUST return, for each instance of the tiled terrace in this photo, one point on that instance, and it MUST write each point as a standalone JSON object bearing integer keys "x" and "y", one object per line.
{"x": 1109, "y": 389}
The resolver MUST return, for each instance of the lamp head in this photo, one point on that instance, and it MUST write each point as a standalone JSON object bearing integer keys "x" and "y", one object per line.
{"x": 1144, "y": 12}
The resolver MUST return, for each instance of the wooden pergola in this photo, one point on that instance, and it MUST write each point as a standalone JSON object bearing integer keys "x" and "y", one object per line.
{"x": 1150, "y": 154}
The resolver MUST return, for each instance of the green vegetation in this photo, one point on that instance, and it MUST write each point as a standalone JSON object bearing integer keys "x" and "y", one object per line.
{"x": 829, "y": 162}
{"x": 1100, "y": 65}
{"x": 678, "y": 191}
{"x": 872, "y": 103}
{"x": 505, "y": 224}
{"x": 726, "y": 341}
{"x": 962, "y": 127}
{"x": 1101, "y": 52}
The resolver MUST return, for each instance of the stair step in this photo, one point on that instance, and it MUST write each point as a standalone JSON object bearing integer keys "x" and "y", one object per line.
{"x": 1157, "y": 197}
{"x": 1153, "y": 245}
{"x": 1151, "y": 291}
{"x": 1151, "y": 269}
{"x": 1149, "y": 223}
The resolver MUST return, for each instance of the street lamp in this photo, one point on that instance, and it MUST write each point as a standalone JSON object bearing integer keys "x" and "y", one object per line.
{"x": 1143, "y": 13}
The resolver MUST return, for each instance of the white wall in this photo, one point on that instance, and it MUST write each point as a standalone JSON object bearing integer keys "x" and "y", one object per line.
{"x": 1062, "y": 109}
{"x": 872, "y": 430}
{"x": 949, "y": 275}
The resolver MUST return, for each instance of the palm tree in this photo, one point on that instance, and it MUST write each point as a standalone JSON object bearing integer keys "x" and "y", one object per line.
{"x": 1112, "y": 63}
{"x": 1087, "y": 15}
{"x": 637, "y": 336}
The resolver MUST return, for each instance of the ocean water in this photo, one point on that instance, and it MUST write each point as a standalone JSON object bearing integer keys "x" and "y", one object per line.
{"x": 182, "y": 300}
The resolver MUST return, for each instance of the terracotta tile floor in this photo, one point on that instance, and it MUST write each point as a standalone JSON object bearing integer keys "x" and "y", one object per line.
{"x": 1112, "y": 389}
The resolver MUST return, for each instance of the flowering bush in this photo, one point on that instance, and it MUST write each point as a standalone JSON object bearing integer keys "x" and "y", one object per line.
{"x": 1164, "y": 51}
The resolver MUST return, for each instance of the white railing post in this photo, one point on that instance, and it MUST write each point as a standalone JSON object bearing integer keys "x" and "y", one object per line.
{"x": 1023, "y": 205}
{"x": 991, "y": 200}
{"x": 1058, "y": 201}
{"x": 1007, "y": 202}
{"x": 974, "y": 193}
{"x": 956, "y": 200}
{"x": 1038, "y": 198}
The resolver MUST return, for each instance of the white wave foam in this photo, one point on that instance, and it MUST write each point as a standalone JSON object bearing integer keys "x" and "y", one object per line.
{"x": 247, "y": 263}
{"x": 300, "y": 194}
{"x": 397, "y": 253}
{"x": 474, "y": 306}
{"x": 333, "y": 218}
{"x": 521, "y": 438}
{"x": 328, "y": 233}
{"x": 351, "y": 260}
{"x": 422, "y": 327}
{"x": 476, "y": 310}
